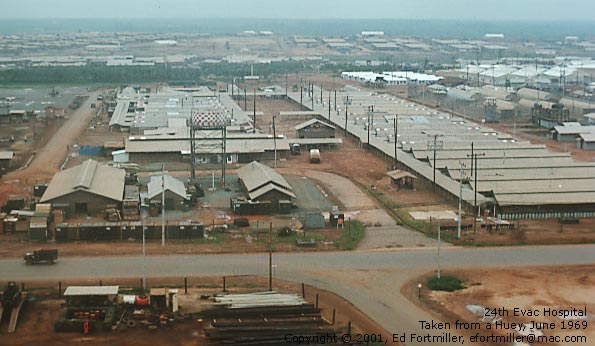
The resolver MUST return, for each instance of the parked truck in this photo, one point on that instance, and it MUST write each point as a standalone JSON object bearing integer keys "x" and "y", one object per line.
{"x": 314, "y": 156}
{"x": 41, "y": 256}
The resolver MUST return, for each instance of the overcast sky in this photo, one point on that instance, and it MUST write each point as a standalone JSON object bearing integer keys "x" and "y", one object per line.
{"x": 303, "y": 9}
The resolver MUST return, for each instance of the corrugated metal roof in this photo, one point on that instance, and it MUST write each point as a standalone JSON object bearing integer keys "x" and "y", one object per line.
{"x": 312, "y": 122}
{"x": 6, "y": 155}
{"x": 267, "y": 188}
{"x": 574, "y": 130}
{"x": 545, "y": 198}
{"x": 89, "y": 176}
{"x": 255, "y": 175}
{"x": 315, "y": 141}
{"x": 91, "y": 290}
{"x": 397, "y": 174}
{"x": 171, "y": 184}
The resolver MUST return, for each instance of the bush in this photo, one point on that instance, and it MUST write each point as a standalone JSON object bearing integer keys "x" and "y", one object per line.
{"x": 349, "y": 240}
{"x": 447, "y": 283}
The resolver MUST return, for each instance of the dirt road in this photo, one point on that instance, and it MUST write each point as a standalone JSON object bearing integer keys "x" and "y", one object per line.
{"x": 381, "y": 230}
{"x": 48, "y": 159}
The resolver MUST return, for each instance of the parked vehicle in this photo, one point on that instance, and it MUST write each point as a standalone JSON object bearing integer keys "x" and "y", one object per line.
{"x": 314, "y": 156}
{"x": 41, "y": 256}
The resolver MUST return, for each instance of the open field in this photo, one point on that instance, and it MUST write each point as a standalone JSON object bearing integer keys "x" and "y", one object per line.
{"x": 531, "y": 288}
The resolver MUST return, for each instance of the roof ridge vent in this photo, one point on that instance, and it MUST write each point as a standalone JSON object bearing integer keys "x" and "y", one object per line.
{"x": 86, "y": 175}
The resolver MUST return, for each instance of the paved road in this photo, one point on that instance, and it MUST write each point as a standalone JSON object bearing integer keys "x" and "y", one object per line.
{"x": 371, "y": 280}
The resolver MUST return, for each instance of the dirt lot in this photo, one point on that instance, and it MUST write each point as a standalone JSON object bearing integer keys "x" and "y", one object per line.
{"x": 38, "y": 316}
{"x": 529, "y": 288}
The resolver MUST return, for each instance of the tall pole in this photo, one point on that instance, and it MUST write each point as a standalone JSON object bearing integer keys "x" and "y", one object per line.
{"x": 438, "y": 257}
{"x": 460, "y": 198}
{"x": 224, "y": 161}
{"x": 369, "y": 124}
{"x": 144, "y": 260}
{"x": 301, "y": 97}
{"x": 396, "y": 133}
{"x": 271, "y": 257}
{"x": 329, "y": 105}
{"x": 163, "y": 204}
{"x": 275, "y": 140}
{"x": 472, "y": 158}
{"x": 475, "y": 188}
{"x": 254, "y": 115}
{"x": 335, "y": 100}
{"x": 346, "y": 107}
{"x": 435, "y": 136}
{"x": 245, "y": 98}
{"x": 320, "y": 93}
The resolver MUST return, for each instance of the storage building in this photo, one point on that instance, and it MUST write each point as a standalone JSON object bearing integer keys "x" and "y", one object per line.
{"x": 264, "y": 185}
{"x": 86, "y": 189}
{"x": 175, "y": 192}
{"x": 315, "y": 128}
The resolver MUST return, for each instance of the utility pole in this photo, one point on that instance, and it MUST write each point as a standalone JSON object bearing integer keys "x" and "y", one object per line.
{"x": 335, "y": 100}
{"x": 369, "y": 124}
{"x": 254, "y": 115}
{"x": 474, "y": 158}
{"x": 460, "y": 197}
{"x": 435, "y": 146}
{"x": 321, "y": 94}
{"x": 275, "y": 140}
{"x": 163, "y": 204}
{"x": 271, "y": 257}
{"x": 438, "y": 257}
{"x": 472, "y": 153}
{"x": 396, "y": 139}
{"x": 329, "y": 105}
{"x": 144, "y": 260}
{"x": 346, "y": 107}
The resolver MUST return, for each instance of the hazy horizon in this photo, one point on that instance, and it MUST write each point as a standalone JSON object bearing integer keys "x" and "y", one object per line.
{"x": 503, "y": 10}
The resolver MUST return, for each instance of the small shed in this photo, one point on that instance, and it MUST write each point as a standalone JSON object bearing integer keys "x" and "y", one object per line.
{"x": 120, "y": 156}
{"x": 586, "y": 141}
{"x": 5, "y": 159}
{"x": 315, "y": 128}
{"x": 175, "y": 191}
{"x": 91, "y": 295}
{"x": 313, "y": 220}
{"x": 402, "y": 179}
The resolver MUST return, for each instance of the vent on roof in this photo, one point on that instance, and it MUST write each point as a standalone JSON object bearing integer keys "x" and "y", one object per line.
{"x": 86, "y": 175}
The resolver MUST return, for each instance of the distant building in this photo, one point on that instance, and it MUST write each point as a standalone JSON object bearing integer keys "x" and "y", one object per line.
{"x": 372, "y": 33}
{"x": 315, "y": 128}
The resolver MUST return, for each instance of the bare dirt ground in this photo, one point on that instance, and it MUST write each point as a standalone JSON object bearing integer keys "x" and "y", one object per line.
{"x": 38, "y": 316}
{"x": 556, "y": 288}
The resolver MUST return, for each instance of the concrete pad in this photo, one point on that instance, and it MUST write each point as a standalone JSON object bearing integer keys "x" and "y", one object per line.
{"x": 434, "y": 214}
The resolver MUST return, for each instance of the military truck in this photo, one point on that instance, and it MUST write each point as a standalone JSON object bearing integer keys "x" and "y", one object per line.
{"x": 41, "y": 256}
